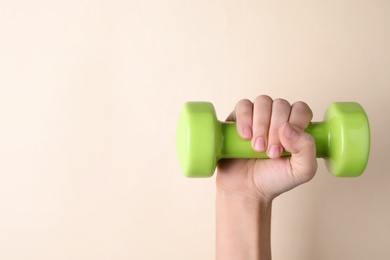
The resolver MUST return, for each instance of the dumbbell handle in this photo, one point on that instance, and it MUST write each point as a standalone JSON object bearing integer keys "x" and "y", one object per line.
{"x": 232, "y": 145}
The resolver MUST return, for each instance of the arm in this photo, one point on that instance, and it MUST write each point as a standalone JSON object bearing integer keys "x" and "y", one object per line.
{"x": 243, "y": 227}
{"x": 247, "y": 187}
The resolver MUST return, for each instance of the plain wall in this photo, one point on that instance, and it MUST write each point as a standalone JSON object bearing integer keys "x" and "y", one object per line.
{"x": 89, "y": 97}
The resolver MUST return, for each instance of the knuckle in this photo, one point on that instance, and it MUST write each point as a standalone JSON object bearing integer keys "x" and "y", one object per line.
{"x": 263, "y": 99}
{"x": 307, "y": 141}
{"x": 281, "y": 102}
{"x": 243, "y": 109}
{"x": 243, "y": 106}
{"x": 244, "y": 102}
{"x": 308, "y": 138}
{"x": 302, "y": 108}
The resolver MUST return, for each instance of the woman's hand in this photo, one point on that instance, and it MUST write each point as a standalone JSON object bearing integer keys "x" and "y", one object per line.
{"x": 273, "y": 126}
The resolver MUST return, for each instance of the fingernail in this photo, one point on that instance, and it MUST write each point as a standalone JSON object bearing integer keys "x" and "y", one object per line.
{"x": 259, "y": 144}
{"x": 247, "y": 132}
{"x": 289, "y": 131}
{"x": 275, "y": 151}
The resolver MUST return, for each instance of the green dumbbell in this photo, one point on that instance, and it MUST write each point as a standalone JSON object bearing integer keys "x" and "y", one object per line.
{"x": 342, "y": 139}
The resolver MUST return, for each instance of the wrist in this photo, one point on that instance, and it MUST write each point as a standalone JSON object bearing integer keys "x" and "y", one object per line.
{"x": 243, "y": 226}
{"x": 247, "y": 199}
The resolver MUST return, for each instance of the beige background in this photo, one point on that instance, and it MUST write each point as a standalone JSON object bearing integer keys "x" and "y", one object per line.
{"x": 89, "y": 96}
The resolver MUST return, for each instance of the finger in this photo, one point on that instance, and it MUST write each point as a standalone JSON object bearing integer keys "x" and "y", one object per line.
{"x": 243, "y": 114}
{"x": 301, "y": 145}
{"x": 262, "y": 107}
{"x": 280, "y": 114}
{"x": 300, "y": 115}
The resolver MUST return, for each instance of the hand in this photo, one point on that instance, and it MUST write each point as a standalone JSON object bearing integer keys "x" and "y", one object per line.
{"x": 273, "y": 126}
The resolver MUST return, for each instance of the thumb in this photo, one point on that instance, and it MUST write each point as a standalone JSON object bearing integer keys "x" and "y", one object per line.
{"x": 301, "y": 145}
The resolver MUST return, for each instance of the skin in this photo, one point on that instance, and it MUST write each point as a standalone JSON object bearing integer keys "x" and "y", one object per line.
{"x": 247, "y": 187}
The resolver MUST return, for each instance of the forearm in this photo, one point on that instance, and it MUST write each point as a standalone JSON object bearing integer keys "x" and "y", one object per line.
{"x": 243, "y": 228}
